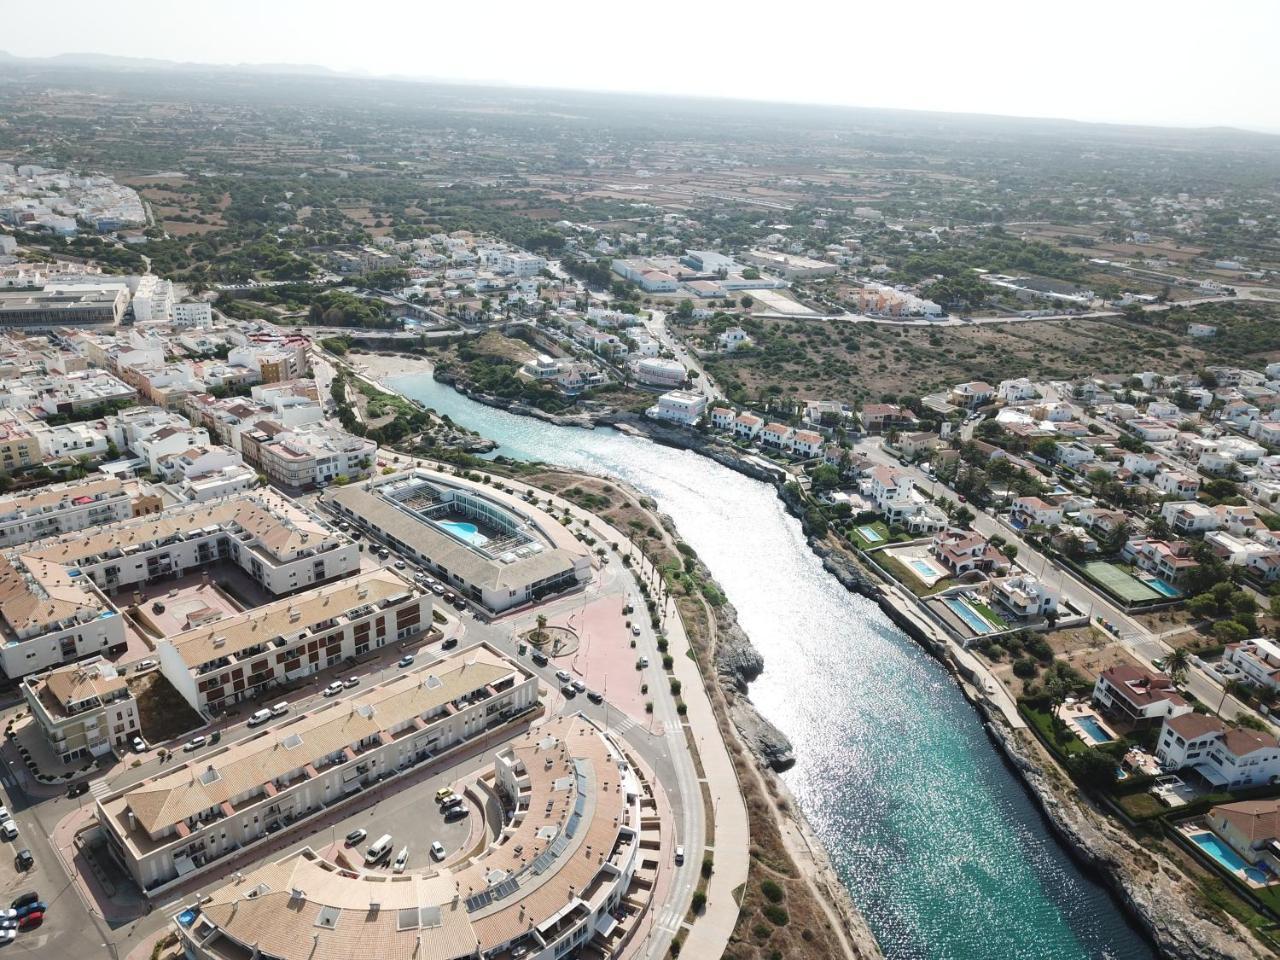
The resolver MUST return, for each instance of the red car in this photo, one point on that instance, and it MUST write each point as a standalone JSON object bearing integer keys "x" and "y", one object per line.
{"x": 31, "y": 920}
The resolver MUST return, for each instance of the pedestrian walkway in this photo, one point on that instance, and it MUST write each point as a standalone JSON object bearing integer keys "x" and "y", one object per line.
{"x": 99, "y": 788}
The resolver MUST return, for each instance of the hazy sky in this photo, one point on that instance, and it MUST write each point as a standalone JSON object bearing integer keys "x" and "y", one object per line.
{"x": 1144, "y": 61}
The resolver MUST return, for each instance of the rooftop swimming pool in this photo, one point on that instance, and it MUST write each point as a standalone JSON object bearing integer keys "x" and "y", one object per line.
{"x": 1210, "y": 844}
{"x": 1092, "y": 729}
{"x": 464, "y": 531}
{"x": 966, "y": 613}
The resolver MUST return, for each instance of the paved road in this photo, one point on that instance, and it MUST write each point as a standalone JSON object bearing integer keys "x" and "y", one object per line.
{"x": 656, "y": 324}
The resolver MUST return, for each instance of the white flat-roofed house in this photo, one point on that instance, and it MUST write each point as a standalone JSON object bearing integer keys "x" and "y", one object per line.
{"x": 735, "y": 338}
{"x": 680, "y": 406}
{"x": 1153, "y": 431}
{"x": 1266, "y": 430}
{"x": 1074, "y": 454}
{"x": 1017, "y": 391}
{"x": 1189, "y": 517}
{"x": 1164, "y": 410}
{"x": 1177, "y": 484}
{"x": 1143, "y": 464}
{"x": 83, "y": 709}
{"x": 892, "y": 491}
{"x": 1239, "y": 413}
{"x": 1025, "y": 596}
{"x": 1258, "y": 660}
{"x": 722, "y": 418}
{"x": 1226, "y": 757}
{"x": 1137, "y": 695}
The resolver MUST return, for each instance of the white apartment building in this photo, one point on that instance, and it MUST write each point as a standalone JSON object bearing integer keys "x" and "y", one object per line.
{"x": 679, "y": 406}
{"x": 1189, "y": 517}
{"x": 519, "y": 263}
{"x": 658, "y": 372}
{"x": 62, "y": 508}
{"x": 195, "y": 313}
{"x": 312, "y": 455}
{"x": 153, "y": 300}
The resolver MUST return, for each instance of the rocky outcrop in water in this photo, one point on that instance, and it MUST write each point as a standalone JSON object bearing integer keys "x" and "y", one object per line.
{"x": 851, "y": 576}
{"x": 1166, "y": 902}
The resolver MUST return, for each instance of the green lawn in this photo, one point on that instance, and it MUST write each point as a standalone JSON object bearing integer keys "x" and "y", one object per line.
{"x": 855, "y": 534}
{"x": 905, "y": 576}
{"x": 990, "y": 614}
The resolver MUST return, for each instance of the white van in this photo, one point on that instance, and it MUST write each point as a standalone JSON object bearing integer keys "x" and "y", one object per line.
{"x": 280, "y": 709}
{"x": 380, "y": 848}
{"x": 259, "y": 717}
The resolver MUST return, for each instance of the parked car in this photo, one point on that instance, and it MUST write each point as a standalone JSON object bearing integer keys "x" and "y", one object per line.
{"x": 333, "y": 689}
{"x": 579, "y": 686}
{"x": 31, "y": 920}
{"x": 399, "y": 564}
{"x": 259, "y": 717}
{"x": 437, "y": 589}
{"x": 145, "y": 665}
{"x": 443, "y": 794}
{"x": 594, "y": 697}
{"x": 437, "y": 849}
{"x": 452, "y": 802}
{"x": 635, "y": 629}
{"x": 24, "y": 860}
{"x": 355, "y": 836}
{"x": 76, "y": 789}
{"x": 22, "y": 899}
{"x": 567, "y": 690}
{"x": 351, "y": 682}
{"x": 9, "y": 934}
{"x": 280, "y": 709}
{"x": 35, "y": 906}
{"x": 450, "y": 597}
{"x": 643, "y": 661}
{"x": 195, "y": 743}
{"x": 449, "y": 644}
{"x": 679, "y": 855}
{"x": 539, "y": 658}
{"x": 9, "y": 830}
{"x": 138, "y": 744}
{"x": 406, "y": 660}
{"x": 455, "y": 813}
{"x": 401, "y": 861}
{"x": 563, "y": 676}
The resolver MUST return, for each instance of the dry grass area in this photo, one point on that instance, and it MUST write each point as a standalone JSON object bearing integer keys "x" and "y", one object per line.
{"x": 848, "y": 361}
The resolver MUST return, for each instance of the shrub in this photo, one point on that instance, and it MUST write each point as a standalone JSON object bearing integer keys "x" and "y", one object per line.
{"x": 775, "y": 914}
{"x": 771, "y": 890}
{"x": 675, "y": 687}
{"x": 708, "y": 866}
{"x": 682, "y": 708}
{"x": 699, "y": 901}
{"x": 648, "y": 706}
{"x": 1024, "y": 668}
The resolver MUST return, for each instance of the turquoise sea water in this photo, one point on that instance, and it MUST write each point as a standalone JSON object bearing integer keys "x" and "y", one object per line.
{"x": 937, "y": 841}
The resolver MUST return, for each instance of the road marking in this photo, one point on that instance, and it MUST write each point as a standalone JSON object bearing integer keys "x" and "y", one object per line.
{"x": 99, "y": 788}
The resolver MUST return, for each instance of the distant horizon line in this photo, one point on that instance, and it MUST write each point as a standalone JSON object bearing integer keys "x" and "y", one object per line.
{"x": 128, "y": 63}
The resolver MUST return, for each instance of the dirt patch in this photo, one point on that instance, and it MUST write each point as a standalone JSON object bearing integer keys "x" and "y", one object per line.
{"x": 163, "y": 714}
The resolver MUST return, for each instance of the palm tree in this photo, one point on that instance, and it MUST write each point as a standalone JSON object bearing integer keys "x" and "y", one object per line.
{"x": 1177, "y": 664}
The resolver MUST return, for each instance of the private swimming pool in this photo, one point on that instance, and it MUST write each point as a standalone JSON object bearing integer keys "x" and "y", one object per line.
{"x": 870, "y": 534}
{"x": 467, "y": 532}
{"x": 1215, "y": 848}
{"x": 1162, "y": 588}
{"x": 968, "y": 615}
{"x": 1093, "y": 730}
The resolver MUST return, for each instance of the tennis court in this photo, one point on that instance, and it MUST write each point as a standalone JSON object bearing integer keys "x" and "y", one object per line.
{"x": 1115, "y": 579}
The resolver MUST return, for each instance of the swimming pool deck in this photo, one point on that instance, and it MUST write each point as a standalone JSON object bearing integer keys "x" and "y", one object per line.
{"x": 1070, "y": 714}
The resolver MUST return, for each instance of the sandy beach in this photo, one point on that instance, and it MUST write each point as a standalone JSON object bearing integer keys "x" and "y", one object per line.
{"x": 378, "y": 366}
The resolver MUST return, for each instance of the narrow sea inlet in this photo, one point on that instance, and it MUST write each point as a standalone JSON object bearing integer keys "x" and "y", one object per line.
{"x": 939, "y": 844}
